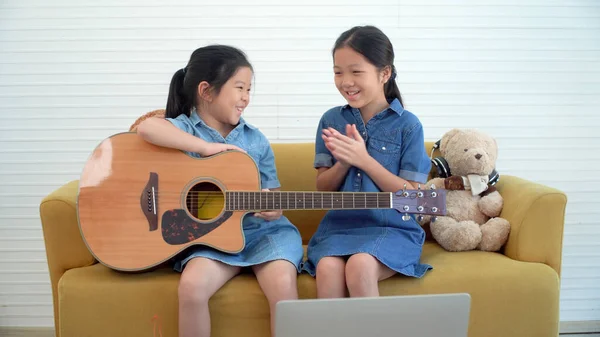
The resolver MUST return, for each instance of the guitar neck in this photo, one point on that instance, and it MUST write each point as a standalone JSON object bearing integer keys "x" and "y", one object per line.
{"x": 258, "y": 201}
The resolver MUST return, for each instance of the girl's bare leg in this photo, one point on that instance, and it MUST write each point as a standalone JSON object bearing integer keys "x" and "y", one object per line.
{"x": 278, "y": 280}
{"x": 200, "y": 279}
{"x": 331, "y": 278}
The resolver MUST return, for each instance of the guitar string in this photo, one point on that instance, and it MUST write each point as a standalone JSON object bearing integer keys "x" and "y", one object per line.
{"x": 290, "y": 192}
{"x": 249, "y": 197}
{"x": 294, "y": 195}
{"x": 238, "y": 199}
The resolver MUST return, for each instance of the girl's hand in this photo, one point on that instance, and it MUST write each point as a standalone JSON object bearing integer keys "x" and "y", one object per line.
{"x": 349, "y": 150}
{"x": 269, "y": 215}
{"x": 213, "y": 148}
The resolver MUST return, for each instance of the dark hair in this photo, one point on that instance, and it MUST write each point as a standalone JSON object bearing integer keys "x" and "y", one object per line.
{"x": 374, "y": 45}
{"x": 215, "y": 64}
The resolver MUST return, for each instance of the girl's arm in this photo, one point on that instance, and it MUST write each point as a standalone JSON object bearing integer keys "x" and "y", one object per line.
{"x": 330, "y": 178}
{"x": 161, "y": 132}
{"x": 330, "y": 173}
{"x": 386, "y": 180}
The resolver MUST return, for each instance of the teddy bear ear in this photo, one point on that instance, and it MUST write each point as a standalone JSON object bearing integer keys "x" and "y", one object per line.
{"x": 446, "y": 138}
{"x": 494, "y": 147}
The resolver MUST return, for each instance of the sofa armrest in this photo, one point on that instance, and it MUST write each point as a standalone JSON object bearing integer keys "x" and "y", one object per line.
{"x": 65, "y": 248}
{"x": 537, "y": 214}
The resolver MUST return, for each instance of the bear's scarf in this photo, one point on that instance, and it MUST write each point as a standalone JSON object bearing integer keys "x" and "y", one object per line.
{"x": 477, "y": 184}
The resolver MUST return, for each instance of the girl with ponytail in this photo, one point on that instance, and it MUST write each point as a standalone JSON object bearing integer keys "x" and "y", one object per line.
{"x": 204, "y": 116}
{"x": 372, "y": 144}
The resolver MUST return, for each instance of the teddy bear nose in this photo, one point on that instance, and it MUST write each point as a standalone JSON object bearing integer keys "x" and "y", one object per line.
{"x": 478, "y": 156}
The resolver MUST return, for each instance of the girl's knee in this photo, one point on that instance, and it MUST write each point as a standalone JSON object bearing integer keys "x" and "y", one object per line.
{"x": 286, "y": 282}
{"x": 362, "y": 262}
{"x": 278, "y": 280}
{"x": 284, "y": 287}
{"x": 361, "y": 271}
{"x": 330, "y": 266}
{"x": 330, "y": 277}
{"x": 191, "y": 292}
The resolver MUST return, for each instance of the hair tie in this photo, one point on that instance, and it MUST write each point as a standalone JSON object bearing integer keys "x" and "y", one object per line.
{"x": 393, "y": 77}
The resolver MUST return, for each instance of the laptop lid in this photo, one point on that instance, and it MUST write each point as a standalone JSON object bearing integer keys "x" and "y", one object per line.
{"x": 408, "y": 316}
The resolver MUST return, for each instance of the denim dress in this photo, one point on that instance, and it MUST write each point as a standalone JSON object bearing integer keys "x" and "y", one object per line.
{"x": 394, "y": 137}
{"x": 265, "y": 240}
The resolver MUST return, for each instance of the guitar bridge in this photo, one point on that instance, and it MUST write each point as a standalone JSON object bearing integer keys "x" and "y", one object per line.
{"x": 149, "y": 201}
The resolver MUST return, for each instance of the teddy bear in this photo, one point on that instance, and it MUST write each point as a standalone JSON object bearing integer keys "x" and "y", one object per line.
{"x": 472, "y": 202}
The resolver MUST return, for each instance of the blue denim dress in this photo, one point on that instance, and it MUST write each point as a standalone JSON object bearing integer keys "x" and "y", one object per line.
{"x": 265, "y": 240}
{"x": 394, "y": 137}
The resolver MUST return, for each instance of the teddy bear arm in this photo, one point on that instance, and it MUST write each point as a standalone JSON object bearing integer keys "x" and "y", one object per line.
{"x": 491, "y": 204}
{"x": 438, "y": 182}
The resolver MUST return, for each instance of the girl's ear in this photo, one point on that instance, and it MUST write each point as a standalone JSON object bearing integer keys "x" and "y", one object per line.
{"x": 204, "y": 91}
{"x": 386, "y": 74}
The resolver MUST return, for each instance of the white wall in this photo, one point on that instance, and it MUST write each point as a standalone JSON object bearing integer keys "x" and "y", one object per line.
{"x": 74, "y": 72}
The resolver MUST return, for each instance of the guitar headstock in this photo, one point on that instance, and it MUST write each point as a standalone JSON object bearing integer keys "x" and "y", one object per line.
{"x": 420, "y": 201}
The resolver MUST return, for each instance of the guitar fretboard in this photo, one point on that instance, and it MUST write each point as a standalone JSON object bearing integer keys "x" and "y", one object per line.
{"x": 258, "y": 201}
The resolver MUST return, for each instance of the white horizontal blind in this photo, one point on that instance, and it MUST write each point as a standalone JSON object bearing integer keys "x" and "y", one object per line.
{"x": 75, "y": 72}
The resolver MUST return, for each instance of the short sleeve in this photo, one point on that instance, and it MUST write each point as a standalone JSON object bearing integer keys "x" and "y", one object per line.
{"x": 267, "y": 168}
{"x": 323, "y": 157}
{"x": 182, "y": 122}
{"x": 414, "y": 161}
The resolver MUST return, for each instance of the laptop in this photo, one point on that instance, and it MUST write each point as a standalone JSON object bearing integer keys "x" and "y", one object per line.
{"x": 432, "y": 315}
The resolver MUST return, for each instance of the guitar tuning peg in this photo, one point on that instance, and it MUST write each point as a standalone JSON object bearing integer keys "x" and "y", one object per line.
{"x": 433, "y": 194}
{"x": 405, "y": 217}
{"x": 419, "y": 193}
{"x": 419, "y": 218}
{"x": 433, "y": 218}
{"x": 404, "y": 192}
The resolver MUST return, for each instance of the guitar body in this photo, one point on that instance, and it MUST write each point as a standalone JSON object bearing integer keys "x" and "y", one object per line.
{"x": 139, "y": 204}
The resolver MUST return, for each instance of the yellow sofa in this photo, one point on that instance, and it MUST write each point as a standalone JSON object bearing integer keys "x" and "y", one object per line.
{"x": 514, "y": 293}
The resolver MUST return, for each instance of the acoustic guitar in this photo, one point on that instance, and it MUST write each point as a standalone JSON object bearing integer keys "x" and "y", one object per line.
{"x": 139, "y": 204}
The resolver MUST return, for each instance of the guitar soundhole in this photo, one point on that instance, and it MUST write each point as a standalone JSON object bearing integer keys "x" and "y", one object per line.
{"x": 205, "y": 201}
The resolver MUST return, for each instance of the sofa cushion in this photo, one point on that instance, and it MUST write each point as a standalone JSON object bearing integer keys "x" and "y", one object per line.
{"x": 502, "y": 292}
